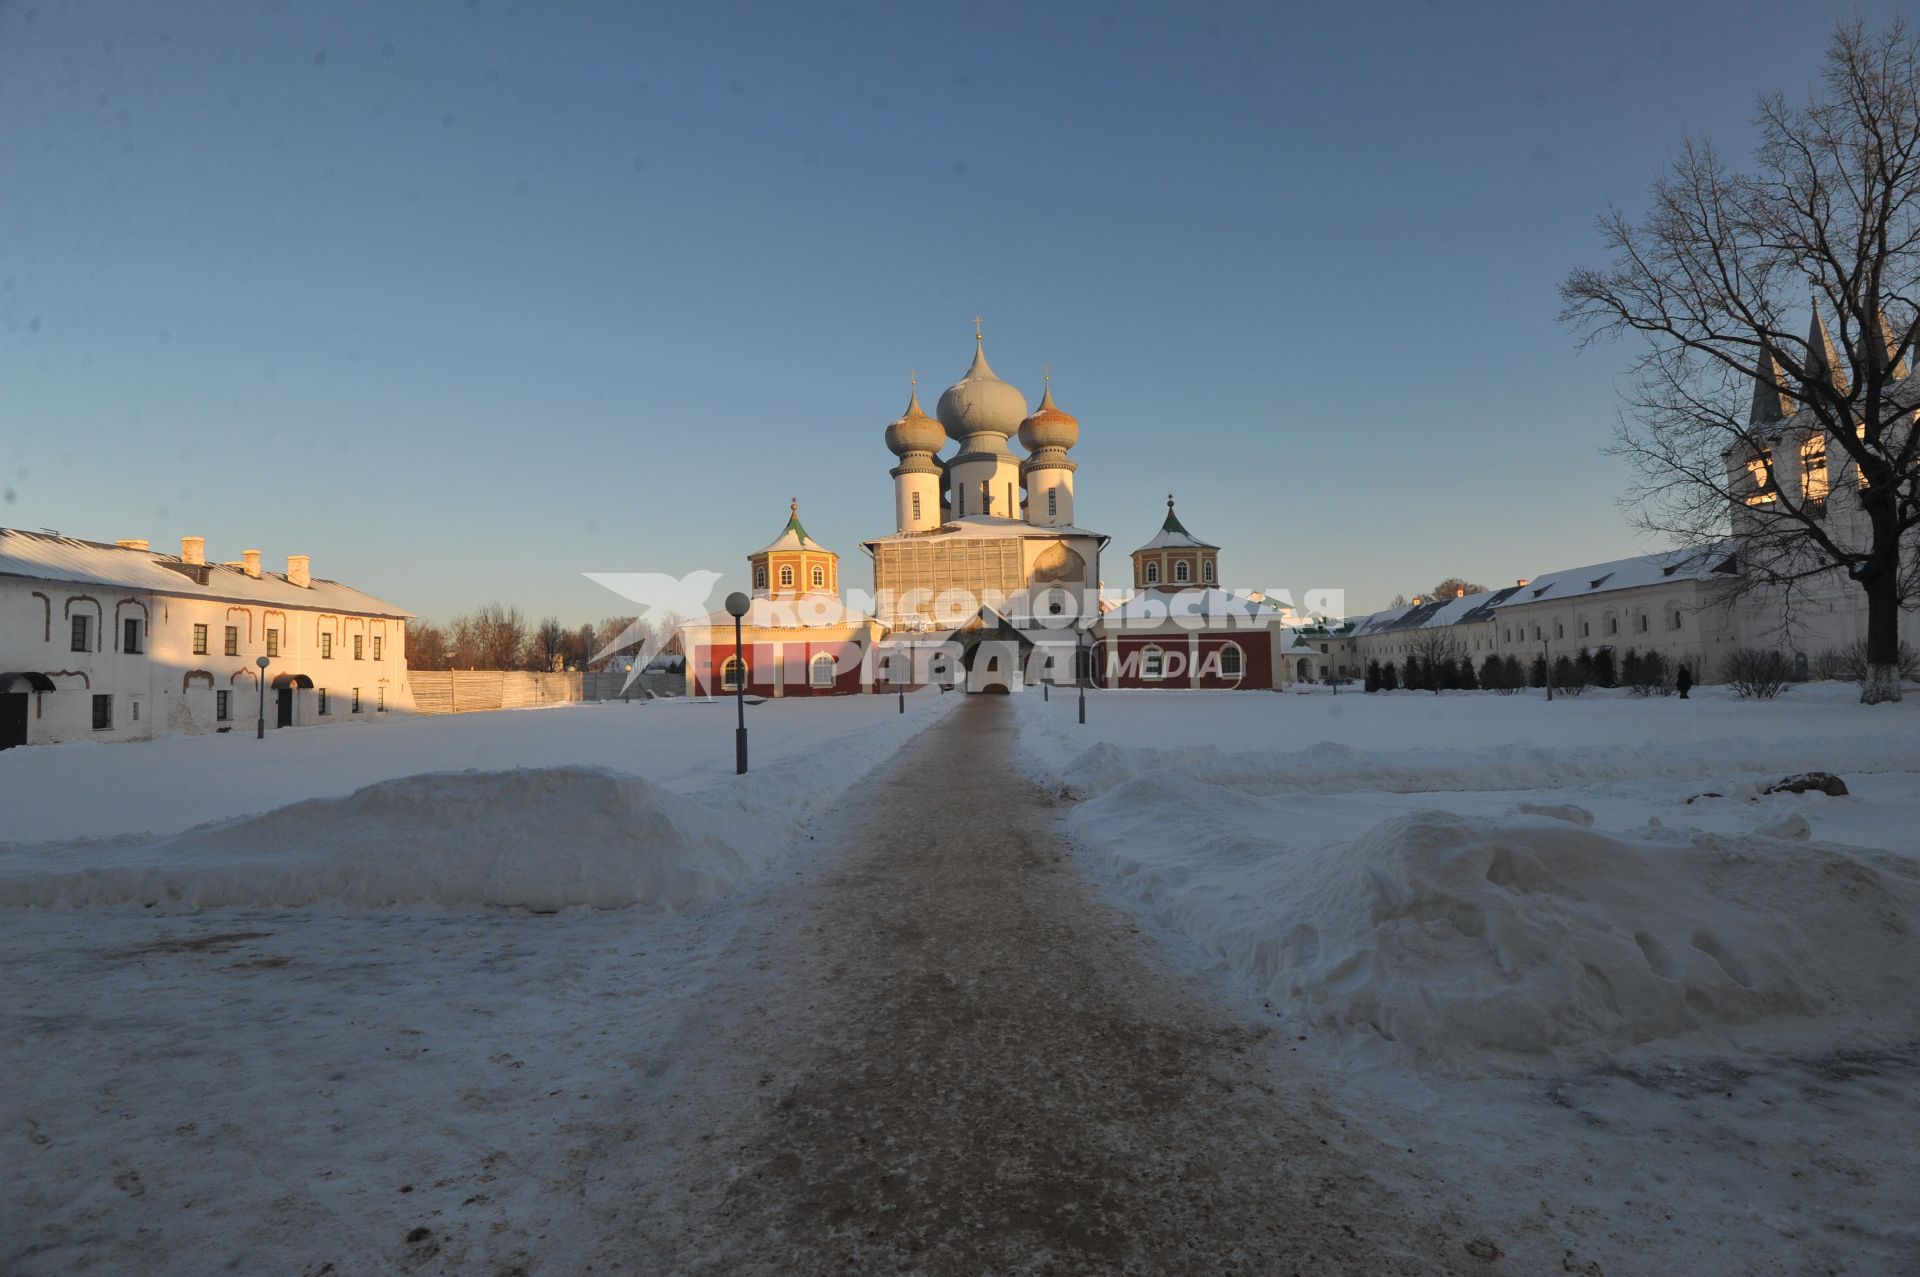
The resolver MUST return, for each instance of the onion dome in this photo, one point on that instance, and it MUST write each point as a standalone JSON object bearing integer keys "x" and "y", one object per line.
{"x": 915, "y": 431}
{"x": 1049, "y": 427}
{"x": 981, "y": 403}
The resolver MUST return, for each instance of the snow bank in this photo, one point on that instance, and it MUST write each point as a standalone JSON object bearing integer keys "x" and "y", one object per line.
{"x": 542, "y": 838}
{"x": 1455, "y": 885}
{"x": 1454, "y": 937}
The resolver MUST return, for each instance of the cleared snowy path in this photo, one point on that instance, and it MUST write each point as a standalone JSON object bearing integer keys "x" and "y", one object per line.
{"x": 959, "y": 1058}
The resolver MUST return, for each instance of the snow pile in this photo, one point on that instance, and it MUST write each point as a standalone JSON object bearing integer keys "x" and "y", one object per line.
{"x": 1532, "y": 933}
{"x": 542, "y": 838}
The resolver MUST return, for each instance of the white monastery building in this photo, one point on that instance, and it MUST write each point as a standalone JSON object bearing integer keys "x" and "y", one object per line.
{"x": 117, "y": 642}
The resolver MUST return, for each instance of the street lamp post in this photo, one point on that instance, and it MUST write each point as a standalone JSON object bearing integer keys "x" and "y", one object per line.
{"x": 1083, "y": 667}
{"x": 893, "y": 664}
{"x": 737, "y": 604}
{"x": 260, "y": 729}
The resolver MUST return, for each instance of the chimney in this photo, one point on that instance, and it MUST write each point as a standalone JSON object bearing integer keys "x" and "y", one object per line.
{"x": 1416, "y": 600}
{"x": 1459, "y": 591}
{"x": 193, "y": 549}
{"x": 252, "y": 561}
{"x": 132, "y": 543}
{"x": 1520, "y": 582}
{"x": 299, "y": 570}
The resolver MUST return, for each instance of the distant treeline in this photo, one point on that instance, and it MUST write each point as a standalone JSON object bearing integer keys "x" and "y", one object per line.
{"x": 496, "y": 637}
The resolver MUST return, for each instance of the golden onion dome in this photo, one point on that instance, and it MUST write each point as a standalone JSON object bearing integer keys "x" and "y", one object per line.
{"x": 1049, "y": 427}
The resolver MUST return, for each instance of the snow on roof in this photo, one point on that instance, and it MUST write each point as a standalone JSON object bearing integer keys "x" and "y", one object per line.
{"x": 1160, "y": 605}
{"x": 806, "y": 611}
{"x": 1625, "y": 574}
{"x": 1174, "y": 534}
{"x": 987, "y": 525}
{"x": 48, "y": 557}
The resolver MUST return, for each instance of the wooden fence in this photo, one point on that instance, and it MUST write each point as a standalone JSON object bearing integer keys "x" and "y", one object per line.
{"x": 464, "y": 691}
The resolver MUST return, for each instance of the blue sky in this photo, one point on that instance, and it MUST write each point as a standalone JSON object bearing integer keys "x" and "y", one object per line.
{"x": 466, "y": 299}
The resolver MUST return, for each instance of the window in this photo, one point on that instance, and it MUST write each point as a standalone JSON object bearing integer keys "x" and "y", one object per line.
{"x": 1760, "y": 489}
{"x": 1641, "y": 623}
{"x": 1206, "y": 571}
{"x": 1153, "y": 574}
{"x": 820, "y": 672}
{"x": 1506, "y": 635}
{"x": 1152, "y": 663}
{"x": 80, "y": 643}
{"x": 326, "y": 646}
{"x": 233, "y": 640}
{"x": 916, "y": 519}
{"x": 273, "y": 642}
{"x": 819, "y": 577}
{"x": 102, "y": 713}
{"x": 1181, "y": 571}
{"x": 356, "y": 700}
{"x": 130, "y": 634}
{"x": 136, "y": 711}
{"x": 358, "y": 640}
{"x": 1613, "y": 625}
{"x": 380, "y": 700}
{"x": 1586, "y": 629}
{"x": 1813, "y": 469}
{"x": 1053, "y": 502}
{"x": 1674, "y": 622}
{"x": 1231, "y": 662}
{"x": 222, "y": 706}
{"x": 320, "y": 699}
{"x": 760, "y": 577}
{"x": 962, "y": 494}
{"x": 786, "y": 574}
{"x": 376, "y": 646}
{"x": 1559, "y": 630}
{"x": 199, "y": 640}
{"x": 733, "y": 675}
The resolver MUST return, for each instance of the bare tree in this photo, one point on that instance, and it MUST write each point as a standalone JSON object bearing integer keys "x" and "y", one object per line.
{"x": 548, "y": 648}
{"x": 427, "y": 646}
{"x": 1814, "y": 473}
{"x": 1438, "y": 652}
{"x": 497, "y": 637}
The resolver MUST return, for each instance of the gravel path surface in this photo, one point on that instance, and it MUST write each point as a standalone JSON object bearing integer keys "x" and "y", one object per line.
{"x": 959, "y": 1058}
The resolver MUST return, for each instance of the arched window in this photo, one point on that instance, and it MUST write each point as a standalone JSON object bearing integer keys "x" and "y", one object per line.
{"x": 1152, "y": 662}
{"x": 760, "y": 577}
{"x": 819, "y": 577}
{"x": 786, "y": 574}
{"x": 733, "y": 675}
{"x": 1640, "y": 623}
{"x": 1181, "y": 571}
{"x": 1232, "y": 663}
{"x": 1053, "y": 502}
{"x": 916, "y": 507}
{"x": 820, "y": 671}
{"x": 961, "y": 497}
{"x": 1206, "y": 571}
{"x": 1153, "y": 574}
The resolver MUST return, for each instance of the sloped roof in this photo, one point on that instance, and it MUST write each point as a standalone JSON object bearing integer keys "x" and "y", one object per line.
{"x": 1150, "y": 605}
{"x": 1173, "y": 534}
{"x": 1626, "y": 574}
{"x": 47, "y": 557}
{"x": 809, "y": 611}
{"x": 794, "y": 536}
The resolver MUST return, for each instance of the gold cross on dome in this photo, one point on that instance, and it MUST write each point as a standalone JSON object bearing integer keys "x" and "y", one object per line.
{"x": 913, "y": 376}
{"x": 976, "y": 328}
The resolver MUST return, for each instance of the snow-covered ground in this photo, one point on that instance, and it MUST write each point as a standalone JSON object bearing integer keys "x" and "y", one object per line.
{"x": 427, "y": 1085}
{"x": 603, "y": 805}
{"x": 1643, "y": 1023}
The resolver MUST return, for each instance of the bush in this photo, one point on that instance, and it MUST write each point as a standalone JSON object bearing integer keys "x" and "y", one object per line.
{"x": 1463, "y": 674}
{"x": 1754, "y": 673}
{"x": 1568, "y": 675}
{"x": 1373, "y": 676}
{"x": 1493, "y": 675}
{"x": 1644, "y": 673}
{"x": 1537, "y": 673}
{"x": 1849, "y": 664}
{"x": 1389, "y": 677}
{"x": 1511, "y": 674}
{"x": 1604, "y": 674}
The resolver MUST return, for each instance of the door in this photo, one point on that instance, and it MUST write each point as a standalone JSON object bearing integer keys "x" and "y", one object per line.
{"x": 13, "y": 719}
{"x": 286, "y": 707}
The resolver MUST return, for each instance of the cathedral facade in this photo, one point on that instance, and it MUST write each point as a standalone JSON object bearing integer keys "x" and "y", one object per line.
{"x": 980, "y": 527}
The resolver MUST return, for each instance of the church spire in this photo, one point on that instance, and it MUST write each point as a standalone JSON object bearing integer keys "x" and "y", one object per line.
{"x": 1771, "y": 402}
{"x": 1822, "y": 358}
